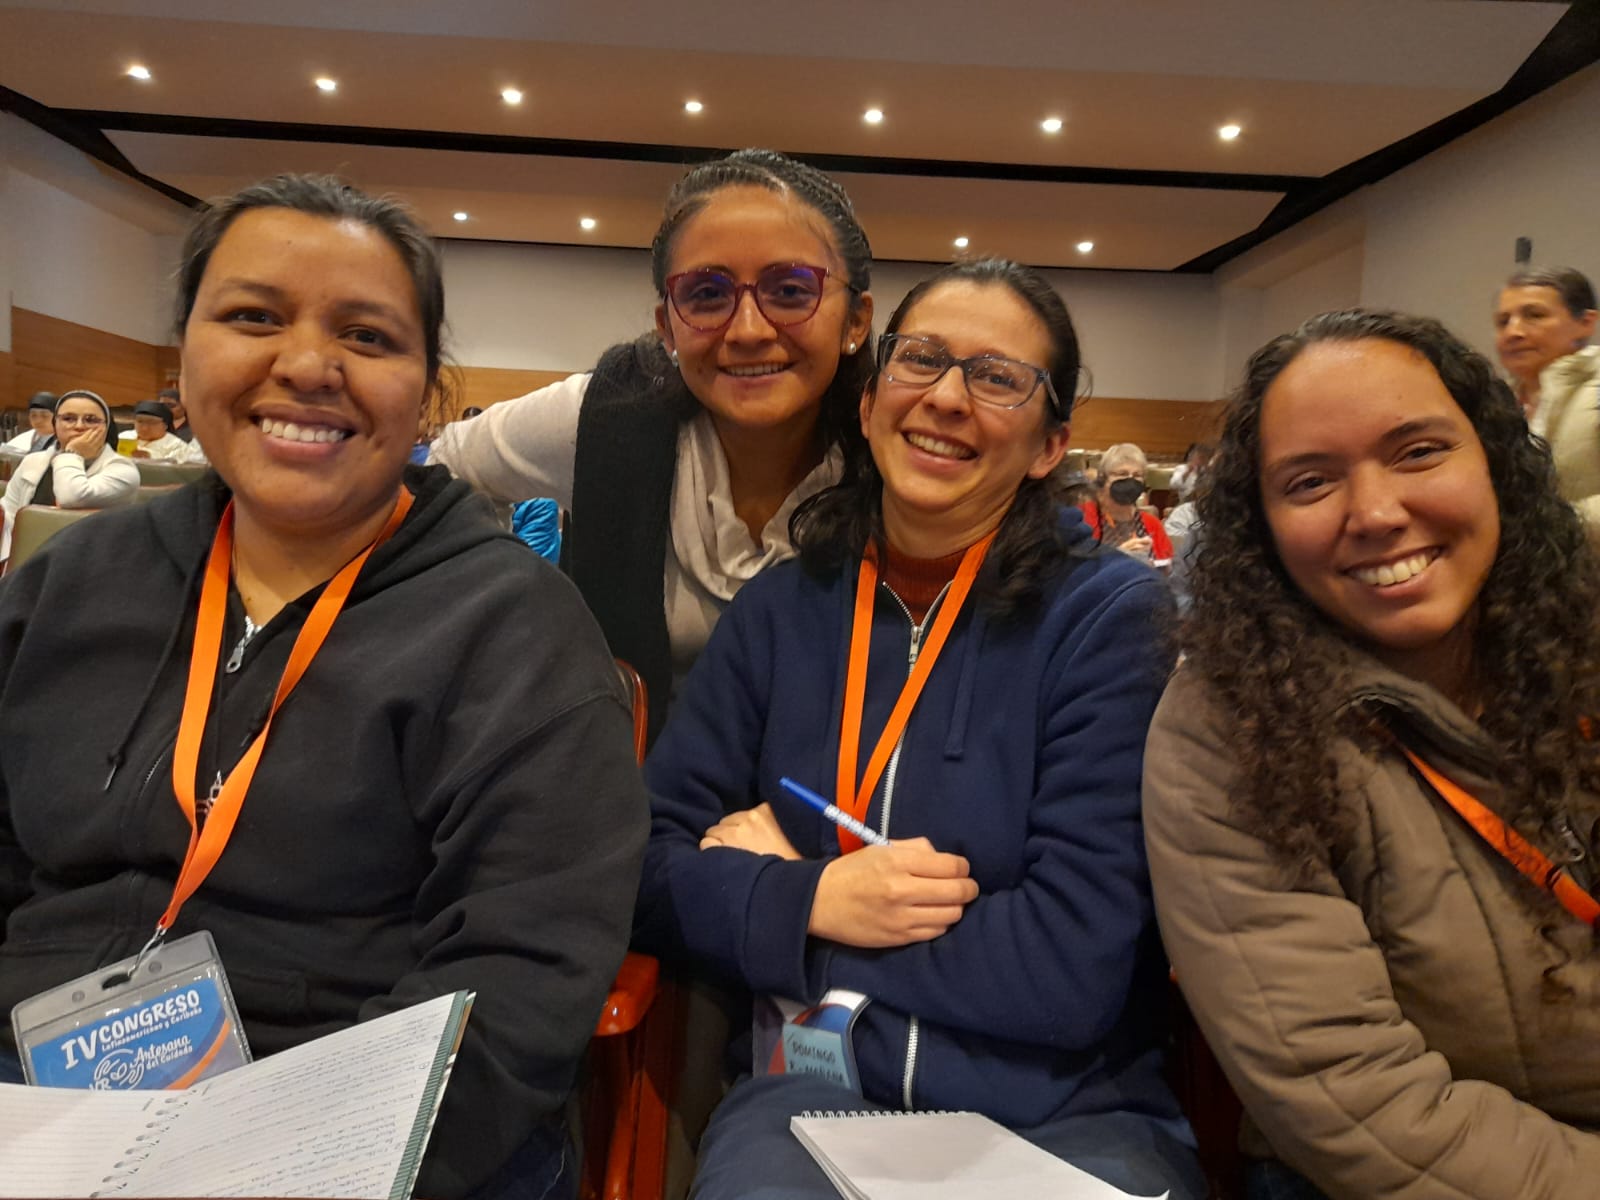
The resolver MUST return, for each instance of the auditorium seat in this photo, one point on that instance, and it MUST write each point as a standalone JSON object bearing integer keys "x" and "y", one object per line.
{"x": 36, "y": 524}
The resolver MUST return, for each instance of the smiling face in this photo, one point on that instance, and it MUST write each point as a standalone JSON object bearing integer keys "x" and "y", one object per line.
{"x": 1533, "y": 328}
{"x": 750, "y": 374}
{"x": 1377, "y": 493}
{"x": 951, "y": 466}
{"x": 304, "y": 370}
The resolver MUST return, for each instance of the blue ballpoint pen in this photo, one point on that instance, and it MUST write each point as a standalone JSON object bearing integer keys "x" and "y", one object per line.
{"x": 835, "y": 814}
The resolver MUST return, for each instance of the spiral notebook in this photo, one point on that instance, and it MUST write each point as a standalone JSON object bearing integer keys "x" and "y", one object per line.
{"x": 938, "y": 1156}
{"x": 345, "y": 1116}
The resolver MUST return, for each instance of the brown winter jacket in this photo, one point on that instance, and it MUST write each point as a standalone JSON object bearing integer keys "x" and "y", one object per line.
{"x": 1397, "y": 1025}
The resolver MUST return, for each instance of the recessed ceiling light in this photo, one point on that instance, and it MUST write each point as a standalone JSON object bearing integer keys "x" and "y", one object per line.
{"x": 692, "y": 106}
{"x": 138, "y": 72}
{"x": 587, "y": 223}
{"x": 1085, "y": 247}
{"x": 960, "y": 243}
{"x": 1228, "y": 132}
{"x": 1051, "y": 124}
{"x": 460, "y": 216}
{"x": 873, "y": 116}
{"x": 511, "y": 95}
{"x": 324, "y": 84}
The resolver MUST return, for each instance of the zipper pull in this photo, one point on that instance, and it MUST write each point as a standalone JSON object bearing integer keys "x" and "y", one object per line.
{"x": 1570, "y": 839}
{"x": 203, "y": 808}
{"x": 236, "y": 659}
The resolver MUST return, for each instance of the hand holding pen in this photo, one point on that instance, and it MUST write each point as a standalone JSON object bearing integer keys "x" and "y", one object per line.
{"x": 887, "y": 893}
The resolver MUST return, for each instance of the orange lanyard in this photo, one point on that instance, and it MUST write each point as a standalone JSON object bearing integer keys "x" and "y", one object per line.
{"x": 1509, "y": 844}
{"x": 846, "y": 795}
{"x": 206, "y": 847}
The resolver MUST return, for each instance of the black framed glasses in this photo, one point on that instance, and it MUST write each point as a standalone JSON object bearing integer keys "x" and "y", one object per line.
{"x": 919, "y": 362}
{"x": 786, "y": 294}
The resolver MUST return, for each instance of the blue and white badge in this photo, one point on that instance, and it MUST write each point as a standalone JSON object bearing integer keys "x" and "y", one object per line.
{"x": 792, "y": 1039}
{"x": 158, "y": 1020}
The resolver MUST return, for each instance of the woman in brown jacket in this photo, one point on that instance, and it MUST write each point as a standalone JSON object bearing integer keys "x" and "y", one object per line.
{"x": 1389, "y": 572}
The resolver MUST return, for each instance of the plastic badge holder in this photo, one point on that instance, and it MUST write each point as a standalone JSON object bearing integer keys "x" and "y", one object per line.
{"x": 167, "y": 1025}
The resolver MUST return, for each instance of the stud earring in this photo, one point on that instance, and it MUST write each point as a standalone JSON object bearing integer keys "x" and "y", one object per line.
{"x": 850, "y": 349}
{"x": 673, "y": 355}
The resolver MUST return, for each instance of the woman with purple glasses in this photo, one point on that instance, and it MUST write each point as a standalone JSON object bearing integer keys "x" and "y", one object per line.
{"x": 681, "y": 456}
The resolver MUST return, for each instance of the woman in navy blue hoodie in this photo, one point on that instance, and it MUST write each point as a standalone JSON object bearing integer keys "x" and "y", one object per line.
{"x": 952, "y": 662}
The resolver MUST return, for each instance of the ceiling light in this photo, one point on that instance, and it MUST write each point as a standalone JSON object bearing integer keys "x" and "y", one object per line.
{"x": 511, "y": 95}
{"x": 1085, "y": 247}
{"x": 692, "y": 106}
{"x": 324, "y": 84}
{"x": 1228, "y": 132}
{"x": 587, "y": 223}
{"x": 460, "y": 216}
{"x": 960, "y": 243}
{"x": 138, "y": 72}
{"x": 873, "y": 116}
{"x": 1051, "y": 124}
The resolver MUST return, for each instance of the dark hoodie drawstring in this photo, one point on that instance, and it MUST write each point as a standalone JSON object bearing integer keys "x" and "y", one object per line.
{"x": 118, "y": 752}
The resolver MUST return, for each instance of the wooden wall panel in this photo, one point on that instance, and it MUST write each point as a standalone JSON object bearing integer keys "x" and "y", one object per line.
{"x": 1163, "y": 429}
{"x": 54, "y": 355}
{"x": 483, "y": 386}
{"x": 49, "y": 354}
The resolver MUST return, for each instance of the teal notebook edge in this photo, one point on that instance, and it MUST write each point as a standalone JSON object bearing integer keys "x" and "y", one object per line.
{"x": 405, "y": 1178}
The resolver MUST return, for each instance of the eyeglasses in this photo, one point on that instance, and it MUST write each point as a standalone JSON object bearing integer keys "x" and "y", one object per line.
{"x": 919, "y": 362}
{"x": 786, "y": 294}
{"x": 74, "y": 421}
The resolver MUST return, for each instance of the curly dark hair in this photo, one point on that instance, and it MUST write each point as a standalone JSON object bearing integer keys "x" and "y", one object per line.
{"x": 832, "y": 529}
{"x": 786, "y": 176}
{"x": 1278, "y": 667}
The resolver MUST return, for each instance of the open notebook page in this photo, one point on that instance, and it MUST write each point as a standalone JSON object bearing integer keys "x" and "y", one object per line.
{"x": 50, "y": 1137}
{"x": 935, "y": 1156}
{"x": 303, "y": 1122}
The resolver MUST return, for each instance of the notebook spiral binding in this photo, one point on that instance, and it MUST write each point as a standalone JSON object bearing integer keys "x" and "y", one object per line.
{"x": 126, "y": 1167}
{"x": 834, "y": 1114}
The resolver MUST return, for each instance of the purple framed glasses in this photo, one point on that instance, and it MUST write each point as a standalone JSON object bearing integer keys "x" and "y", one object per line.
{"x": 786, "y": 294}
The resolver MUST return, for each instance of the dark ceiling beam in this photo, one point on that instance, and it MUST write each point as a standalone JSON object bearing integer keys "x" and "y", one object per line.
{"x": 653, "y": 152}
{"x": 1572, "y": 44}
{"x": 87, "y": 137}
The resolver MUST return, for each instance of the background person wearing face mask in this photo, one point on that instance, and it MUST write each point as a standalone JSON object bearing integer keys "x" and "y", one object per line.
{"x": 41, "y": 425}
{"x": 81, "y": 470}
{"x": 1115, "y": 516}
{"x": 1543, "y": 322}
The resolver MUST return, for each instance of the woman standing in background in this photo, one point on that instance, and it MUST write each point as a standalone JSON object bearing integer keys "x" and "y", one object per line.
{"x": 1543, "y": 323}
{"x": 681, "y": 456}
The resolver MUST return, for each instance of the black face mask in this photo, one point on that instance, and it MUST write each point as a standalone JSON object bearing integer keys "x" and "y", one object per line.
{"x": 1126, "y": 491}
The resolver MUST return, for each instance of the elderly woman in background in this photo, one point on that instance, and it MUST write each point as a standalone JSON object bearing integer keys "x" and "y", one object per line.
{"x": 1003, "y": 939}
{"x": 1543, "y": 323}
{"x": 41, "y": 425}
{"x": 152, "y": 425}
{"x": 1115, "y": 517}
{"x": 467, "y": 814}
{"x": 80, "y": 470}
{"x": 1359, "y": 785}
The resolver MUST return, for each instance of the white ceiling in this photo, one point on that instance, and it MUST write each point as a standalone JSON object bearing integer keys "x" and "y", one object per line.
{"x": 1140, "y": 85}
